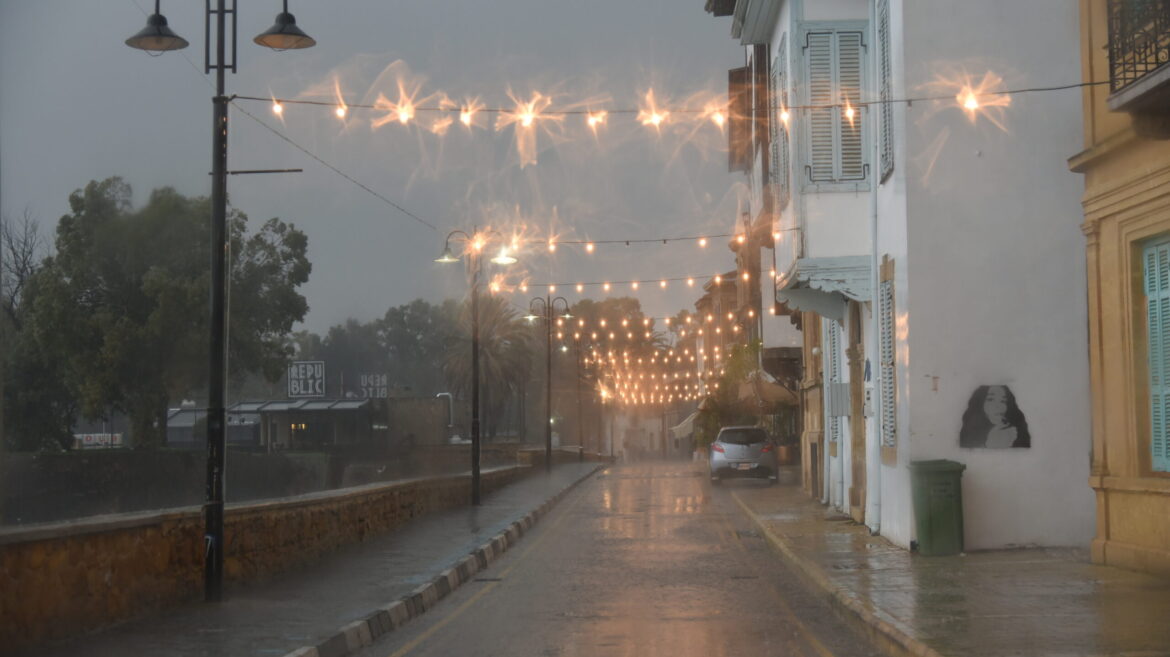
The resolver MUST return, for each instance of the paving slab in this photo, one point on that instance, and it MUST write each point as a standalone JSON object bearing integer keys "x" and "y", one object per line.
{"x": 1038, "y": 601}
{"x": 304, "y": 607}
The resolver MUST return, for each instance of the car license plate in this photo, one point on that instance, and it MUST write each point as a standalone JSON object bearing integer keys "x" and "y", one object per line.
{"x": 744, "y": 466}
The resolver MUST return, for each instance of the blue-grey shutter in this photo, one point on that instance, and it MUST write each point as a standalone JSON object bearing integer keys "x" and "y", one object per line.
{"x": 884, "y": 88}
{"x": 818, "y": 58}
{"x": 833, "y": 71}
{"x": 850, "y": 161}
{"x": 886, "y": 355}
{"x": 833, "y": 361}
{"x": 1157, "y": 277}
{"x": 780, "y": 156}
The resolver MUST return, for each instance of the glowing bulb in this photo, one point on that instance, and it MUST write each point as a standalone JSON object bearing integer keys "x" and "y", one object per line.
{"x": 718, "y": 118}
{"x": 690, "y": 283}
{"x": 552, "y": 289}
{"x": 970, "y": 102}
{"x": 524, "y": 287}
{"x": 740, "y": 238}
{"x": 634, "y": 285}
{"x": 751, "y": 313}
{"x": 465, "y": 116}
{"x": 718, "y": 279}
{"x": 662, "y": 284}
{"x": 340, "y": 111}
{"x": 849, "y": 113}
{"x": 477, "y": 244}
{"x": 784, "y": 115}
{"x": 526, "y": 119}
{"x": 746, "y": 275}
{"x": 589, "y": 247}
{"x": 277, "y": 108}
{"x": 595, "y": 118}
{"x": 702, "y": 241}
{"x": 580, "y": 288}
{"x": 605, "y": 286}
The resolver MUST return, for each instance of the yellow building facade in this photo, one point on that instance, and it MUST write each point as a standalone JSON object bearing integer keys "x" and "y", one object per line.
{"x": 1126, "y": 164}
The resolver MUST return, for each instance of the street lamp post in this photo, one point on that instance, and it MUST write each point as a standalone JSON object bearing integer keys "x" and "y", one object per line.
{"x": 157, "y": 37}
{"x": 475, "y": 265}
{"x": 547, "y": 312}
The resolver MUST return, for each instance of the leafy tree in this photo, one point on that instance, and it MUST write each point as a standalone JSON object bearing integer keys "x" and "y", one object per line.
{"x": 121, "y": 310}
{"x": 723, "y": 406}
{"x": 417, "y": 337}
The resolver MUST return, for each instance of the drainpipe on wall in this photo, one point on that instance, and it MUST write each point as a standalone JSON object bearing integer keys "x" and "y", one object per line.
{"x": 873, "y": 439}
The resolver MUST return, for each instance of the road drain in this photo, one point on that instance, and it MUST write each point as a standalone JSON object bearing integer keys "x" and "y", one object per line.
{"x": 489, "y": 579}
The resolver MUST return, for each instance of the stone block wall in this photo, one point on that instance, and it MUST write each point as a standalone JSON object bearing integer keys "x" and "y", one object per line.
{"x": 63, "y": 579}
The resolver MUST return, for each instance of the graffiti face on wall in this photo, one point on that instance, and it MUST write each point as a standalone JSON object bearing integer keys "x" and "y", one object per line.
{"x": 994, "y": 420}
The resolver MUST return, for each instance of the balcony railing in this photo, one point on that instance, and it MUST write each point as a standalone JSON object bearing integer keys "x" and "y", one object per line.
{"x": 1139, "y": 40}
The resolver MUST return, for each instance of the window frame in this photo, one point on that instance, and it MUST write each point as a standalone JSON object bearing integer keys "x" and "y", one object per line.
{"x": 1158, "y": 465}
{"x": 801, "y": 67}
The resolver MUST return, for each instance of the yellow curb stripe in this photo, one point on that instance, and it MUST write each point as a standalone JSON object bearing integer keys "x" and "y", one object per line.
{"x": 863, "y": 610}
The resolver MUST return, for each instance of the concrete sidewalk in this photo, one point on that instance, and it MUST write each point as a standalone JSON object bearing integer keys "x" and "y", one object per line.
{"x": 1010, "y": 602}
{"x": 307, "y": 607}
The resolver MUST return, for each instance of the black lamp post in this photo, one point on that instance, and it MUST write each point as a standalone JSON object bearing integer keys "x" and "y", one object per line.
{"x": 547, "y": 311}
{"x": 157, "y": 37}
{"x": 476, "y": 245}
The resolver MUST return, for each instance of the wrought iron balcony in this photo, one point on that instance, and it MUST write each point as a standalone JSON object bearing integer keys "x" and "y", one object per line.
{"x": 1139, "y": 59}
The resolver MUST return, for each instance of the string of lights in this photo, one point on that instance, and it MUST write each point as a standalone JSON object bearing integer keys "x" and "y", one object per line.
{"x": 967, "y": 97}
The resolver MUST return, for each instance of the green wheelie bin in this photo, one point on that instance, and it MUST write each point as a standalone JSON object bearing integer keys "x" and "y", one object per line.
{"x": 936, "y": 487}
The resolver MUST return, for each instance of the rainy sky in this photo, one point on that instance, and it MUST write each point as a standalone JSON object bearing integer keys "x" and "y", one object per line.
{"x": 77, "y": 104}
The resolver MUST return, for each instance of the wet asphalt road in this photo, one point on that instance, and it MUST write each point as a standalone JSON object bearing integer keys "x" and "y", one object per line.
{"x": 642, "y": 559}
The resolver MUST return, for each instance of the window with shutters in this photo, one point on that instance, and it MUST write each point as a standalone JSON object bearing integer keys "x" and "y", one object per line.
{"x": 1157, "y": 284}
{"x": 886, "y": 115}
{"x": 833, "y": 371}
{"x": 833, "y": 60}
{"x": 779, "y": 125}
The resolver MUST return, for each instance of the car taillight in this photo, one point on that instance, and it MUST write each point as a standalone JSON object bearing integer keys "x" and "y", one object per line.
{"x": 767, "y": 447}
{"x": 716, "y": 447}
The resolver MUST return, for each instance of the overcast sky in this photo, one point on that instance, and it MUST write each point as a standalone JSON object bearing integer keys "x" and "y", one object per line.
{"x": 77, "y": 104}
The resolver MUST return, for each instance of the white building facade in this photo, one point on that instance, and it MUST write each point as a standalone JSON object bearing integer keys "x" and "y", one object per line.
{"x": 934, "y": 250}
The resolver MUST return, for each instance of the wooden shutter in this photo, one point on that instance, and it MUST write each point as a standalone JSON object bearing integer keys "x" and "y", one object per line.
{"x": 887, "y": 352}
{"x": 834, "y": 61}
{"x": 779, "y": 131}
{"x": 833, "y": 363}
{"x": 1157, "y": 278}
{"x": 818, "y": 57}
{"x": 850, "y": 160}
{"x": 885, "y": 89}
{"x": 739, "y": 127}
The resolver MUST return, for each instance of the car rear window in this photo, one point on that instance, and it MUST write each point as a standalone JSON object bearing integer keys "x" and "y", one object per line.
{"x": 742, "y": 436}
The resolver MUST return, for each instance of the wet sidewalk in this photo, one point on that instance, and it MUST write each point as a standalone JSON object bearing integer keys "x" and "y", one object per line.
{"x": 1010, "y": 602}
{"x": 302, "y": 607}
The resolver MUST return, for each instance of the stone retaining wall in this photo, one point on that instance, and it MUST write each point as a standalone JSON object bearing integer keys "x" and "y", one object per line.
{"x": 62, "y": 579}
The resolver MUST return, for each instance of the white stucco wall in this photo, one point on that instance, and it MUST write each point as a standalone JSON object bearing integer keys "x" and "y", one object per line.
{"x": 992, "y": 290}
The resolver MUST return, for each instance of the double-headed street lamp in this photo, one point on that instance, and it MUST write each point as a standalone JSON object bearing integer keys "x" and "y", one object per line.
{"x": 157, "y": 37}
{"x": 545, "y": 308}
{"x": 475, "y": 246}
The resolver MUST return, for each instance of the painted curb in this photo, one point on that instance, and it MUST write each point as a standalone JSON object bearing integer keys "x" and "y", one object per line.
{"x": 359, "y": 634}
{"x": 885, "y": 632}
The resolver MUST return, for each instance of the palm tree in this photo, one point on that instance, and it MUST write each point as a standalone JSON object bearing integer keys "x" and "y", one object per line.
{"x": 505, "y": 356}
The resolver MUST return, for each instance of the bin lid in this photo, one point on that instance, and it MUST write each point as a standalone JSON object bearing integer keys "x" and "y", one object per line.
{"x": 938, "y": 465}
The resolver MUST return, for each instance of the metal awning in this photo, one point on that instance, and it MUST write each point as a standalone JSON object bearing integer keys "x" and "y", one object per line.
{"x": 823, "y": 285}
{"x": 684, "y": 428}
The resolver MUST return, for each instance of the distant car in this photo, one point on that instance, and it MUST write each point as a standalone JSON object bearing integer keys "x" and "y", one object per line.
{"x": 743, "y": 452}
